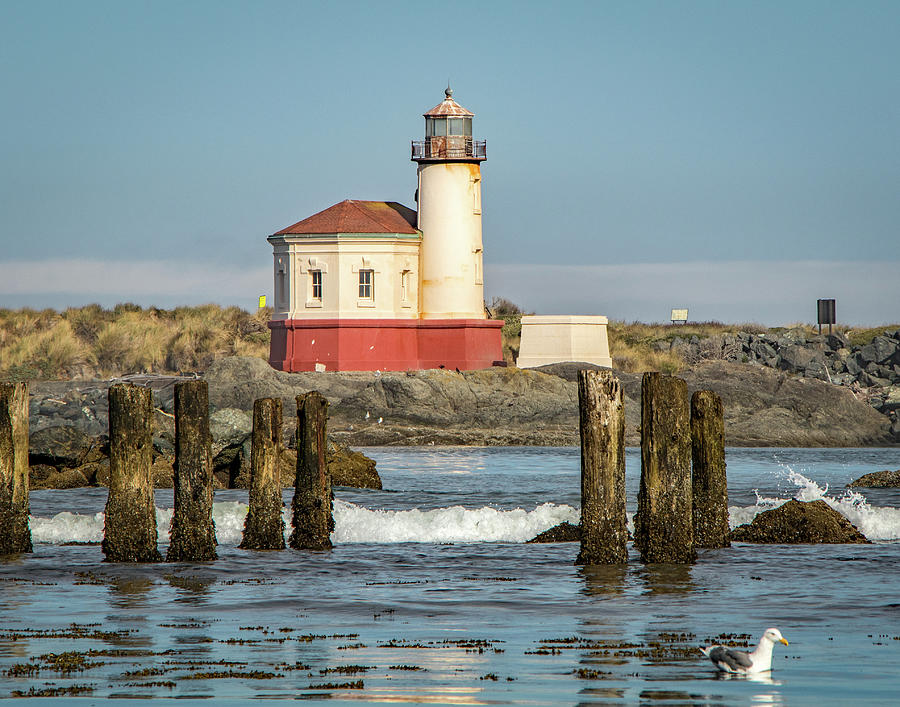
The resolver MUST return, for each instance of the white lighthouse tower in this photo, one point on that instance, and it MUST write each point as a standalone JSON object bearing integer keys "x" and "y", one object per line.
{"x": 449, "y": 214}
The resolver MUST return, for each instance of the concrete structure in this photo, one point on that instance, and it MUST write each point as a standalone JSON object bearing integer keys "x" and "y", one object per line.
{"x": 366, "y": 285}
{"x": 559, "y": 338}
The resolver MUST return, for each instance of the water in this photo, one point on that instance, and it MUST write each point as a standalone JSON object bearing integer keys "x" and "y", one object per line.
{"x": 430, "y": 595}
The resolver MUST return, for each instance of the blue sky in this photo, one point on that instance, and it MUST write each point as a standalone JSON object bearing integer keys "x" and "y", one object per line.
{"x": 740, "y": 159}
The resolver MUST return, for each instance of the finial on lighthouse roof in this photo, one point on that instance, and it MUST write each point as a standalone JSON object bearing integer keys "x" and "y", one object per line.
{"x": 448, "y": 107}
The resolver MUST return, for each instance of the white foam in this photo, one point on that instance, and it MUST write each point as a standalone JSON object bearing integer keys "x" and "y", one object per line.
{"x": 67, "y": 527}
{"x": 875, "y": 522}
{"x": 353, "y": 524}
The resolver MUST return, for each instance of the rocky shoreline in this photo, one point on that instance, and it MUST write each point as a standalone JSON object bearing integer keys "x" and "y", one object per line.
{"x": 871, "y": 371}
{"x": 765, "y": 406}
{"x": 65, "y": 456}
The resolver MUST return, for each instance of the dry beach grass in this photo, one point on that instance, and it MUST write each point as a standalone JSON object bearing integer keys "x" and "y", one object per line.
{"x": 93, "y": 342}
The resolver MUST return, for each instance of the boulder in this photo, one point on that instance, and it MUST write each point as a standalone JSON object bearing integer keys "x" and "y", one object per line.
{"x": 816, "y": 369}
{"x": 888, "y": 401}
{"x": 59, "y": 446}
{"x": 878, "y": 480}
{"x": 346, "y": 466}
{"x": 796, "y": 523}
{"x": 38, "y": 475}
{"x": 835, "y": 342}
{"x": 229, "y": 427}
{"x": 798, "y": 358}
{"x": 765, "y": 351}
{"x": 565, "y": 532}
{"x": 795, "y": 335}
{"x": 769, "y": 408}
{"x": 880, "y": 350}
{"x": 351, "y": 468}
{"x": 162, "y": 472}
{"x": 852, "y": 366}
{"x": 96, "y": 472}
{"x": 62, "y": 479}
{"x": 231, "y": 465}
{"x": 870, "y": 381}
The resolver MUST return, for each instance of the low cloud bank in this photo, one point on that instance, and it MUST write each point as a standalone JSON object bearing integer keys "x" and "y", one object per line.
{"x": 163, "y": 283}
{"x": 771, "y": 293}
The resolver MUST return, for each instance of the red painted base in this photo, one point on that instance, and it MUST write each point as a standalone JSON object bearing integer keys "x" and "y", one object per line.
{"x": 384, "y": 344}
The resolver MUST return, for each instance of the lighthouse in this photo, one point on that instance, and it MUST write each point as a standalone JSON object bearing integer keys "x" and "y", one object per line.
{"x": 374, "y": 285}
{"x": 449, "y": 213}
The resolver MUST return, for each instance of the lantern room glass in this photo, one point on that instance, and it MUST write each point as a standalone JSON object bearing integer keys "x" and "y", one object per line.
{"x": 442, "y": 127}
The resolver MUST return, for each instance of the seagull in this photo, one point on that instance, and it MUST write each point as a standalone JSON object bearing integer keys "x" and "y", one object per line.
{"x": 731, "y": 660}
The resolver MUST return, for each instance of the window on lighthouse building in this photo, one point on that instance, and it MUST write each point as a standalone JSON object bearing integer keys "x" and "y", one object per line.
{"x": 315, "y": 281}
{"x": 367, "y": 284}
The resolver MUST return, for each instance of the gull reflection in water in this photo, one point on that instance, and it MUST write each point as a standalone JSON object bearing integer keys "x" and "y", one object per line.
{"x": 761, "y": 698}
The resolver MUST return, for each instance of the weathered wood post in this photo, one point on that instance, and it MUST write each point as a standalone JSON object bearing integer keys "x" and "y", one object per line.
{"x": 709, "y": 482}
{"x": 602, "y": 423}
{"x": 264, "y": 524}
{"x": 15, "y": 535}
{"x": 664, "y": 523}
{"x": 193, "y": 532}
{"x": 312, "y": 505}
{"x": 129, "y": 530}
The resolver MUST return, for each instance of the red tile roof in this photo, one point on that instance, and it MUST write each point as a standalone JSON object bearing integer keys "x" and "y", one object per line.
{"x": 448, "y": 108}
{"x": 351, "y": 216}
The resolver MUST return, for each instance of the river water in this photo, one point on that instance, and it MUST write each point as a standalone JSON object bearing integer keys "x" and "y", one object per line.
{"x": 430, "y": 595}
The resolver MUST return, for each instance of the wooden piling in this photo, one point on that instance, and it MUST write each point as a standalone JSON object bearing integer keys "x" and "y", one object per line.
{"x": 602, "y": 423}
{"x": 264, "y": 524}
{"x": 129, "y": 530}
{"x": 15, "y": 535}
{"x": 709, "y": 482}
{"x": 193, "y": 532}
{"x": 312, "y": 505}
{"x": 664, "y": 525}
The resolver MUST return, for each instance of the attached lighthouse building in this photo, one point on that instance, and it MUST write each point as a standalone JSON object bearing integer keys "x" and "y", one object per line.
{"x": 366, "y": 285}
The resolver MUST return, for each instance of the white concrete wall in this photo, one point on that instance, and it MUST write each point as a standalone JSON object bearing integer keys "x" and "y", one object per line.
{"x": 562, "y": 338}
{"x": 339, "y": 260}
{"x": 282, "y": 274}
{"x": 451, "y": 259}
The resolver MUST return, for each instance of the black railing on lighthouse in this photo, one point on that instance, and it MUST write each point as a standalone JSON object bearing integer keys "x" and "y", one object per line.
{"x": 449, "y": 148}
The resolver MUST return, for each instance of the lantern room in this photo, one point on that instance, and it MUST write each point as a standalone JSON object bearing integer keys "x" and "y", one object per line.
{"x": 448, "y": 134}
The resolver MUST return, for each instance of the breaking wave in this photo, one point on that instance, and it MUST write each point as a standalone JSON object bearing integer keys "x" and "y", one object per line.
{"x": 877, "y": 523}
{"x": 357, "y": 524}
{"x": 353, "y": 524}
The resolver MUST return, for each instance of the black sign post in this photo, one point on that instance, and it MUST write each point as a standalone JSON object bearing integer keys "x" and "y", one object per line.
{"x": 825, "y": 309}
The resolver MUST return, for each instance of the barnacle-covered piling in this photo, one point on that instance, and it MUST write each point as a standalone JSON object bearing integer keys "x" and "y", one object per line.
{"x": 313, "y": 501}
{"x": 264, "y": 525}
{"x": 602, "y": 425}
{"x": 664, "y": 524}
{"x": 15, "y": 535}
{"x": 193, "y": 533}
{"x": 709, "y": 482}
{"x": 129, "y": 530}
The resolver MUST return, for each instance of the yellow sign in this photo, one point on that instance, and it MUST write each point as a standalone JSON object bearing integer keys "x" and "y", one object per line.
{"x": 262, "y": 301}
{"x": 679, "y": 315}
